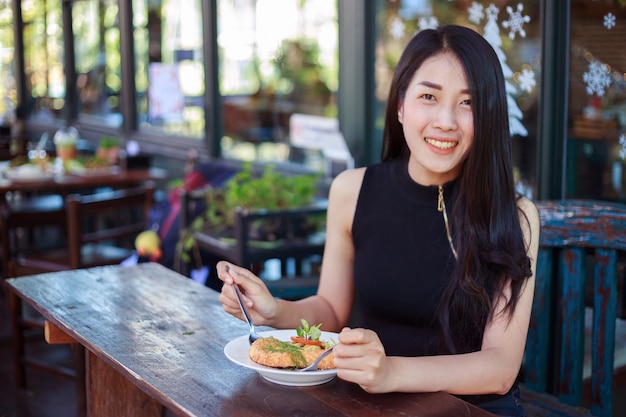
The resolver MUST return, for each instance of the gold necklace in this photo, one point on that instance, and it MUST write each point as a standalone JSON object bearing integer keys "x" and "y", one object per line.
{"x": 441, "y": 206}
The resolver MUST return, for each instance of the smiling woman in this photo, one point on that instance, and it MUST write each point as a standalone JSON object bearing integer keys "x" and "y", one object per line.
{"x": 438, "y": 218}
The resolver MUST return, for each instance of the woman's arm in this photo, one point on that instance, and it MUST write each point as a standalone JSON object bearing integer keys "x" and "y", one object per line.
{"x": 332, "y": 304}
{"x": 360, "y": 357}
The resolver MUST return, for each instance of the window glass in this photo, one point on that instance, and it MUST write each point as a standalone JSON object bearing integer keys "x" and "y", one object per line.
{"x": 514, "y": 30}
{"x": 169, "y": 66}
{"x": 277, "y": 58}
{"x": 98, "y": 60}
{"x": 8, "y": 91}
{"x": 596, "y": 144}
{"x": 43, "y": 56}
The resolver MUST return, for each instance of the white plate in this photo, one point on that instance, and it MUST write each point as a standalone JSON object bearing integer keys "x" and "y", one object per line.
{"x": 237, "y": 351}
{"x": 29, "y": 175}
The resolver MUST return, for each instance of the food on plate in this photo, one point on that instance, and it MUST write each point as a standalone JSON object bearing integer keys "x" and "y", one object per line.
{"x": 18, "y": 161}
{"x": 299, "y": 352}
{"x": 29, "y": 171}
{"x": 86, "y": 164}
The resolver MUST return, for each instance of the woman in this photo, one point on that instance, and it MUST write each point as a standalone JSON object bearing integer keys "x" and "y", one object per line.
{"x": 431, "y": 251}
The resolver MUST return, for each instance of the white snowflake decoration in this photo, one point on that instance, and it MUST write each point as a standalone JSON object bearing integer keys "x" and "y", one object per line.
{"x": 597, "y": 78}
{"x": 527, "y": 80}
{"x": 609, "y": 21}
{"x": 622, "y": 146}
{"x": 428, "y": 23}
{"x": 397, "y": 28}
{"x": 516, "y": 21}
{"x": 476, "y": 12}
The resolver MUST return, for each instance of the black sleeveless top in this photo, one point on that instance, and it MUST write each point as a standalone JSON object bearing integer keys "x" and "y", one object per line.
{"x": 403, "y": 259}
{"x": 403, "y": 263}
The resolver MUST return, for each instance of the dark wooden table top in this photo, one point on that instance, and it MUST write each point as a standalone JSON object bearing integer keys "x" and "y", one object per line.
{"x": 166, "y": 334}
{"x": 65, "y": 183}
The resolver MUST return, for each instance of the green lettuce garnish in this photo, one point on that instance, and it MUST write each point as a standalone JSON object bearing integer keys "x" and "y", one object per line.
{"x": 309, "y": 332}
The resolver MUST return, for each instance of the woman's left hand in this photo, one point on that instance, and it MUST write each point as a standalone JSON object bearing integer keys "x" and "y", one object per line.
{"x": 360, "y": 358}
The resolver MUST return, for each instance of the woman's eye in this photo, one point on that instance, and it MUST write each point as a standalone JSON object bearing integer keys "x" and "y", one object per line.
{"x": 428, "y": 96}
{"x": 467, "y": 102}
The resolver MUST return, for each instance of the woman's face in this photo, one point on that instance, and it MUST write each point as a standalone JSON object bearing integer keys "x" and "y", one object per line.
{"x": 436, "y": 116}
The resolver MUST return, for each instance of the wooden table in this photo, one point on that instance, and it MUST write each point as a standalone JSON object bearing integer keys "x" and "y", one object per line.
{"x": 65, "y": 184}
{"x": 155, "y": 341}
{"x": 51, "y": 192}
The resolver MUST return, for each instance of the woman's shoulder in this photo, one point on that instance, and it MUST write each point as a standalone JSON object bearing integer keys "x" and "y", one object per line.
{"x": 343, "y": 197}
{"x": 528, "y": 207}
{"x": 348, "y": 182}
{"x": 530, "y": 214}
{"x": 355, "y": 176}
{"x": 350, "y": 176}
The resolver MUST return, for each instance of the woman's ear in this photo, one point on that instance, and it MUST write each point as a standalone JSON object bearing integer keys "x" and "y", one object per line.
{"x": 400, "y": 112}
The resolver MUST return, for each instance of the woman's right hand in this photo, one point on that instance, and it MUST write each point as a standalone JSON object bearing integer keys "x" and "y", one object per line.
{"x": 255, "y": 294}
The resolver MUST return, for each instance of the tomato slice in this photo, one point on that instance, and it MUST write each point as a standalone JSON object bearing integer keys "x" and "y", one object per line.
{"x": 301, "y": 340}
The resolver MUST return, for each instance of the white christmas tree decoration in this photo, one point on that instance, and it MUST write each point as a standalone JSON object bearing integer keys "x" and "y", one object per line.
{"x": 527, "y": 80}
{"x": 491, "y": 33}
{"x": 397, "y": 28}
{"x": 492, "y": 11}
{"x": 597, "y": 78}
{"x": 516, "y": 21}
{"x": 430, "y": 22}
{"x": 622, "y": 146}
{"x": 609, "y": 21}
{"x": 476, "y": 12}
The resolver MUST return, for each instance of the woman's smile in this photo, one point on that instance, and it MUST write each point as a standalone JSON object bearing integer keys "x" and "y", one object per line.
{"x": 441, "y": 144}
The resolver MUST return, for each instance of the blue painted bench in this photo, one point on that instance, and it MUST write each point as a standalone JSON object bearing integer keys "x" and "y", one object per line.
{"x": 575, "y": 234}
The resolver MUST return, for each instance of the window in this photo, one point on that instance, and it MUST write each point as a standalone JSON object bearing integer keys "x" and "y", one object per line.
{"x": 596, "y": 143}
{"x": 95, "y": 24}
{"x": 8, "y": 90}
{"x": 169, "y": 66}
{"x": 43, "y": 57}
{"x": 277, "y": 58}
{"x": 512, "y": 28}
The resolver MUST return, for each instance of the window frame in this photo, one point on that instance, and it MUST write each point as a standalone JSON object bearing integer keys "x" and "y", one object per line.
{"x": 354, "y": 97}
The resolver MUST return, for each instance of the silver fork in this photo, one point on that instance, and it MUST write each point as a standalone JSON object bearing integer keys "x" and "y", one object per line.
{"x": 313, "y": 366}
{"x": 253, "y": 334}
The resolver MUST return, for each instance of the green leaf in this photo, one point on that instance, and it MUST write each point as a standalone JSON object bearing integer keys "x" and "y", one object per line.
{"x": 309, "y": 332}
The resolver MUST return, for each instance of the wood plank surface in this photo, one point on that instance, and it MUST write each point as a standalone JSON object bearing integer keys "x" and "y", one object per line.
{"x": 56, "y": 336}
{"x": 165, "y": 334}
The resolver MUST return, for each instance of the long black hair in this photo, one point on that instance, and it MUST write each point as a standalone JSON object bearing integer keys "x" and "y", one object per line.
{"x": 484, "y": 219}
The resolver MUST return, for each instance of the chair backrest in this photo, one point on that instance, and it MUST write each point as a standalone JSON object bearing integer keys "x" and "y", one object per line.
{"x": 106, "y": 219}
{"x": 5, "y": 145}
{"x": 575, "y": 233}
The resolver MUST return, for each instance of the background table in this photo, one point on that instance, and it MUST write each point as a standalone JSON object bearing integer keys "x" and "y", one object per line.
{"x": 66, "y": 183}
{"x": 155, "y": 339}
{"x": 16, "y": 197}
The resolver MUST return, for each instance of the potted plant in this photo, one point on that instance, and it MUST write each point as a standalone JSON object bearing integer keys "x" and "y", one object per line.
{"x": 270, "y": 191}
{"x": 65, "y": 143}
{"x": 108, "y": 148}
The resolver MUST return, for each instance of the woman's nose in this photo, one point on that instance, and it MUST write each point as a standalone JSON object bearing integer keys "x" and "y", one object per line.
{"x": 446, "y": 118}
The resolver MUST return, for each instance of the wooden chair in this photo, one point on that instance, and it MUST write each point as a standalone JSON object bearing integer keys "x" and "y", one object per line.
{"x": 575, "y": 234}
{"x": 6, "y": 152}
{"x": 101, "y": 229}
{"x": 243, "y": 250}
{"x": 21, "y": 217}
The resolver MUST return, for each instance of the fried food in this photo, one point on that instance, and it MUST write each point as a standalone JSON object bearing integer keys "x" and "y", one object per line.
{"x": 275, "y": 353}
